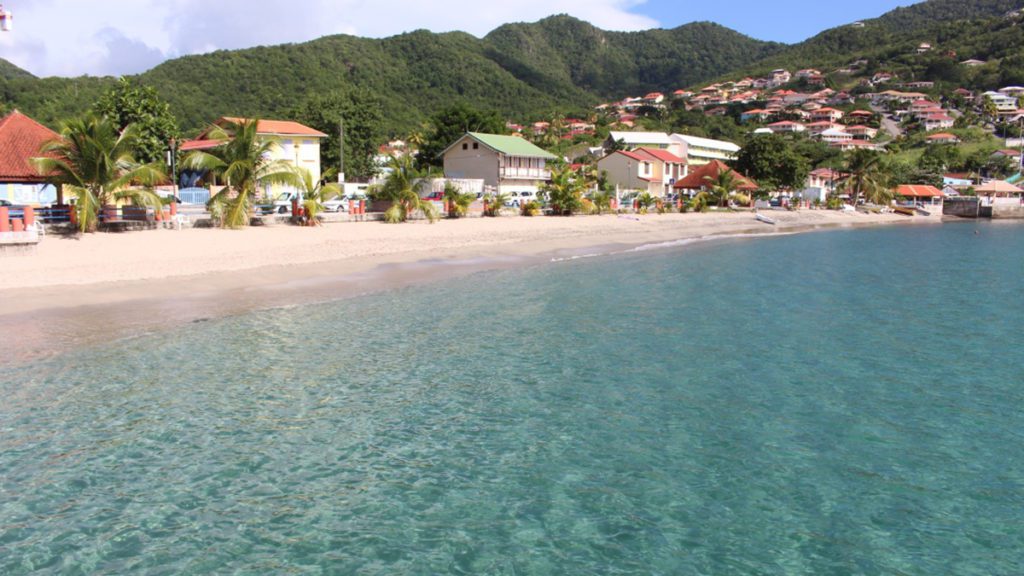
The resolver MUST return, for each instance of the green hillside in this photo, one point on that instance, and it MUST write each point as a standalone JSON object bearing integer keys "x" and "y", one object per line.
{"x": 8, "y": 70}
{"x": 957, "y": 29}
{"x": 519, "y": 70}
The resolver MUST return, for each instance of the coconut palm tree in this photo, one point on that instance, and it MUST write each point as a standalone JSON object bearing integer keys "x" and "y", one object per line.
{"x": 96, "y": 162}
{"x": 863, "y": 170}
{"x": 722, "y": 186}
{"x": 315, "y": 193}
{"x": 564, "y": 192}
{"x": 244, "y": 162}
{"x": 401, "y": 187}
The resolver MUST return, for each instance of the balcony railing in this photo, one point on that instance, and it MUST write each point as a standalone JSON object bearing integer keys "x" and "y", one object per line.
{"x": 509, "y": 173}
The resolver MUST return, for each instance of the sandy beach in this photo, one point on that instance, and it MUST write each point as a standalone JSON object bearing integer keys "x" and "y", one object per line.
{"x": 113, "y": 284}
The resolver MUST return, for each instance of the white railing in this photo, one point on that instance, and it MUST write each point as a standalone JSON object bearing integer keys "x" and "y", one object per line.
{"x": 509, "y": 173}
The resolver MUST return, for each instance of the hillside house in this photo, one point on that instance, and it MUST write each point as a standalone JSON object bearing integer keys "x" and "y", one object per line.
{"x": 505, "y": 163}
{"x": 827, "y": 114}
{"x": 787, "y": 127}
{"x": 942, "y": 138}
{"x": 937, "y": 121}
{"x": 861, "y": 132}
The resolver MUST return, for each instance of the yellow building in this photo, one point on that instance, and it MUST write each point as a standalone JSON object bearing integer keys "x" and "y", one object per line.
{"x": 297, "y": 144}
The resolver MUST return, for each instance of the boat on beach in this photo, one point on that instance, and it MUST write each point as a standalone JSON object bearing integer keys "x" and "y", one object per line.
{"x": 762, "y": 218}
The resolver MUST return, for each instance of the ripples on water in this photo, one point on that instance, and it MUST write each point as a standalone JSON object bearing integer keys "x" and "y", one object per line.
{"x": 837, "y": 403}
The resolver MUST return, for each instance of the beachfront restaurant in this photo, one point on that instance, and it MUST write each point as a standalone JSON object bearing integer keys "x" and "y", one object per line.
{"x": 920, "y": 194}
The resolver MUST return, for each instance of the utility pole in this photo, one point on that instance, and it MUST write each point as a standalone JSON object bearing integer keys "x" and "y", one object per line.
{"x": 341, "y": 150}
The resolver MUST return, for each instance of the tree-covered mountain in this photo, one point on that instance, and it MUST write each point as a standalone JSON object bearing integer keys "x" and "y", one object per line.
{"x": 564, "y": 54}
{"x": 956, "y": 29}
{"x": 531, "y": 70}
{"x": 519, "y": 70}
{"x": 8, "y": 70}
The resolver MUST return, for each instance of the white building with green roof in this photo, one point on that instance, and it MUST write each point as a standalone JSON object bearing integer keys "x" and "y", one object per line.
{"x": 505, "y": 163}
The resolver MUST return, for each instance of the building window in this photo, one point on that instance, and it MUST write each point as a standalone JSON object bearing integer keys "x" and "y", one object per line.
{"x": 476, "y": 146}
{"x": 465, "y": 146}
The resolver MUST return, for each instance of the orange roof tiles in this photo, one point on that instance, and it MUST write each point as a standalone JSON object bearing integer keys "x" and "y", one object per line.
{"x": 20, "y": 139}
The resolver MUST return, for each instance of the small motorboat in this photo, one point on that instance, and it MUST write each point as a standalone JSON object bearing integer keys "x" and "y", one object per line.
{"x": 904, "y": 211}
{"x": 762, "y": 218}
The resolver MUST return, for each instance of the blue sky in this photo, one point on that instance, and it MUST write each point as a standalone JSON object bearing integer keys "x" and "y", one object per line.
{"x": 113, "y": 37}
{"x": 779, "y": 20}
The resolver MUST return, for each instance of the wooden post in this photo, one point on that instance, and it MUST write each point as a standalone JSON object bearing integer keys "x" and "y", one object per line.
{"x": 362, "y": 207}
{"x": 30, "y": 216}
{"x": 295, "y": 207}
{"x": 17, "y": 225}
{"x": 5, "y": 222}
{"x": 174, "y": 208}
{"x": 485, "y": 207}
{"x": 73, "y": 215}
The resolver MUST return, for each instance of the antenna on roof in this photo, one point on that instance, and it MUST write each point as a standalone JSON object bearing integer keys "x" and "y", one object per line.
{"x": 6, "y": 19}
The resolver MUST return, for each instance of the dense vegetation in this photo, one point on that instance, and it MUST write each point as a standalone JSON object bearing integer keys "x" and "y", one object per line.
{"x": 520, "y": 70}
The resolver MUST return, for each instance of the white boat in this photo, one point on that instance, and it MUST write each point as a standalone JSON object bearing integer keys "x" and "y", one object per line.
{"x": 762, "y": 218}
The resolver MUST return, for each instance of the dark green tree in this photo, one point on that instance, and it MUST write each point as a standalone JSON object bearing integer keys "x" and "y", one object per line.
{"x": 772, "y": 162}
{"x": 363, "y": 119}
{"x": 450, "y": 124}
{"x": 131, "y": 103}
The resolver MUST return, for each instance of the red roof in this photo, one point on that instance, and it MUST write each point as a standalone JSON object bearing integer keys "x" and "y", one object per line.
{"x": 199, "y": 144}
{"x": 663, "y": 155}
{"x": 861, "y": 113}
{"x": 20, "y": 139}
{"x": 942, "y": 136}
{"x": 276, "y": 127}
{"x": 918, "y": 191}
{"x": 696, "y": 180}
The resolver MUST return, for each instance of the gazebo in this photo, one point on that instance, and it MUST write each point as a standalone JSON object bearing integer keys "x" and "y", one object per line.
{"x": 997, "y": 188}
{"x": 699, "y": 179}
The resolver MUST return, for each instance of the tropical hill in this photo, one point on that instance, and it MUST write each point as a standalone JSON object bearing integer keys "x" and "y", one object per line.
{"x": 957, "y": 30}
{"x": 526, "y": 71}
{"x": 520, "y": 70}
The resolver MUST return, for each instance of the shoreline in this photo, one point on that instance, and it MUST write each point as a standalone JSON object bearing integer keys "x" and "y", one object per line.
{"x": 51, "y": 306}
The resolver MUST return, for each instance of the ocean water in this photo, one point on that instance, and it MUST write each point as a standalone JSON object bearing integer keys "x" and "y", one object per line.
{"x": 846, "y": 402}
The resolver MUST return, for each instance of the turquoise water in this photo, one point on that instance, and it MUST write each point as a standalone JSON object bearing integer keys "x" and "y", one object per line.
{"x": 846, "y": 402}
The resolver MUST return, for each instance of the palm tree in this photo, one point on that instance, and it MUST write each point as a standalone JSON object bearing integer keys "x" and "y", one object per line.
{"x": 602, "y": 200}
{"x": 401, "y": 187}
{"x": 244, "y": 162}
{"x": 314, "y": 194}
{"x": 722, "y": 186}
{"x": 97, "y": 163}
{"x": 863, "y": 174}
{"x": 457, "y": 201}
{"x": 564, "y": 191}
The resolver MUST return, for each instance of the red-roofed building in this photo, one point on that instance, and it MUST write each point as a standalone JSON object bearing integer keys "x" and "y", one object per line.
{"x": 938, "y": 121}
{"x": 920, "y": 193}
{"x": 296, "y": 144}
{"x": 670, "y": 167}
{"x": 943, "y": 138}
{"x": 827, "y": 115}
{"x": 699, "y": 179}
{"x": 631, "y": 171}
{"x": 20, "y": 140}
{"x": 787, "y": 126}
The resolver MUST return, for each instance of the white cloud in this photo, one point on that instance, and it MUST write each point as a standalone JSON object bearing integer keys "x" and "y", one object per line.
{"x": 72, "y": 37}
